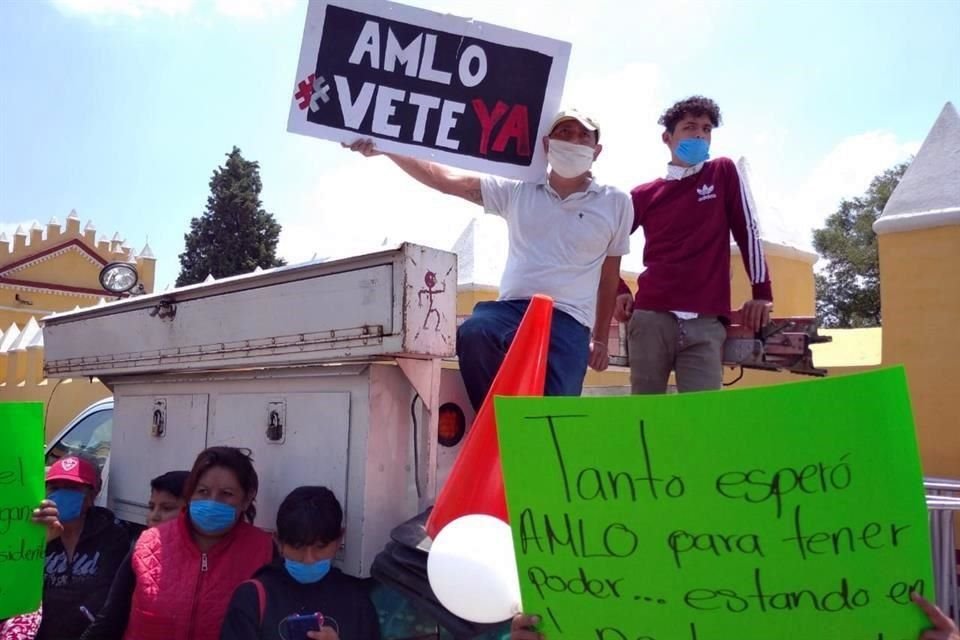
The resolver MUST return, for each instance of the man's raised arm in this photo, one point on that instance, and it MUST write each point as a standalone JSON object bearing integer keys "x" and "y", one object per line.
{"x": 436, "y": 176}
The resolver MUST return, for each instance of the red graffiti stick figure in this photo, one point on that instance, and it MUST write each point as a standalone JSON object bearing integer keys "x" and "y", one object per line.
{"x": 430, "y": 279}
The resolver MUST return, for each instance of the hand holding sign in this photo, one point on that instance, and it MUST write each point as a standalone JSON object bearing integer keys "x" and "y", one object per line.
{"x": 943, "y": 627}
{"x": 47, "y": 516}
{"x": 366, "y": 148}
{"x": 522, "y": 627}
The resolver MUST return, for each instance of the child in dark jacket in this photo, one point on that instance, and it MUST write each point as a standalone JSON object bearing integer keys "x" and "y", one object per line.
{"x": 309, "y": 531}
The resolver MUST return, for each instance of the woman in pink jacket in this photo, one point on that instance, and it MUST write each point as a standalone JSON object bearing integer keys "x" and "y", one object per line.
{"x": 181, "y": 574}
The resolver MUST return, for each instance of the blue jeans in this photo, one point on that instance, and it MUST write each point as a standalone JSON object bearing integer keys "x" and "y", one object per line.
{"x": 484, "y": 338}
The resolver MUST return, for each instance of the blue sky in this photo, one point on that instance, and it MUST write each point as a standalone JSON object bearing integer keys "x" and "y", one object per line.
{"x": 121, "y": 109}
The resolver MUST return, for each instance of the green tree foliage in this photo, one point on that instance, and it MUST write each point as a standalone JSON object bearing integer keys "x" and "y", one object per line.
{"x": 848, "y": 288}
{"x": 235, "y": 234}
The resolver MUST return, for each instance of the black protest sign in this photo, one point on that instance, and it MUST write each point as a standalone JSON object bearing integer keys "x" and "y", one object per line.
{"x": 426, "y": 85}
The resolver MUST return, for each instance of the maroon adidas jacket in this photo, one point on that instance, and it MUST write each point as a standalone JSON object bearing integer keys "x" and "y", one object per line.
{"x": 687, "y": 225}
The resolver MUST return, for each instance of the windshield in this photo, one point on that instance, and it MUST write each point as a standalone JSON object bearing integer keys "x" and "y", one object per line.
{"x": 89, "y": 438}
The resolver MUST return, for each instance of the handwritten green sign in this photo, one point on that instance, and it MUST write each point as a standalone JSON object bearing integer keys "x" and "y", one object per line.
{"x": 793, "y": 512}
{"x": 22, "y": 543}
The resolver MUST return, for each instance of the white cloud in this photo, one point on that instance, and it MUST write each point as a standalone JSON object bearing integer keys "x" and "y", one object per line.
{"x": 845, "y": 172}
{"x": 239, "y": 9}
{"x": 253, "y": 9}
{"x": 364, "y": 201}
{"x": 125, "y": 8}
{"x": 592, "y": 29}
{"x": 627, "y": 102}
{"x": 9, "y": 228}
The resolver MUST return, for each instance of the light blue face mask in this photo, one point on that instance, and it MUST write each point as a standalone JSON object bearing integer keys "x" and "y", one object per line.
{"x": 693, "y": 150}
{"x": 69, "y": 503}
{"x": 307, "y": 573}
{"x": 211, "y": 516}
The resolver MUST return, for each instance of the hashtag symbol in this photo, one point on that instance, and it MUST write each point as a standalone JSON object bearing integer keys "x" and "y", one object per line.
{"x": 304, "y": 93}
{"x": 311, "y": 90}
{"x": 321, "y": 91}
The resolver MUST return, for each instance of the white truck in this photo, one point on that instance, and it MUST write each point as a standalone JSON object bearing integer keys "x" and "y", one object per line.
{"x": 332, "y": 373}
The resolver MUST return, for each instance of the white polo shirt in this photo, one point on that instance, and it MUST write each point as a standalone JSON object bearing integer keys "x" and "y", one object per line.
{"x": 557, "y": 246}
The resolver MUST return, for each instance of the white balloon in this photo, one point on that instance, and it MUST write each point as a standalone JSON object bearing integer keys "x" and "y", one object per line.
{"x": 472, "y": 569}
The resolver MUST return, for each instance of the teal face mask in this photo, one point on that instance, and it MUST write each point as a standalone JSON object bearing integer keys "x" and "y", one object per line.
{"x": 69, "y": 503}
{"x": 211, "y": 516}
{"x": 693, "y": 150}
{"x": 307, "y": 573}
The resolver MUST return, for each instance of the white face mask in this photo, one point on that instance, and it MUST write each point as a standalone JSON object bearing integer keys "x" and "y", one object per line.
{"x": 569, "y": 160}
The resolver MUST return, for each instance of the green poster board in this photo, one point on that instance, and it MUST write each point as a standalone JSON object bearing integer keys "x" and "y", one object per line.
{"x": 22, "y": 543}
{"x": 793, "y": 512}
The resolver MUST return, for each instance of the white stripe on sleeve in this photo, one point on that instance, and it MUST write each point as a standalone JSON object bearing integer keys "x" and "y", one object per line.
{"x": 755, "y": 257}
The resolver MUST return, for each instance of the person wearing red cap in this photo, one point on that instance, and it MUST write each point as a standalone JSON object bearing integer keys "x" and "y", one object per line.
{"x": 85, "y": 547}
{"x": 566, "y": 235}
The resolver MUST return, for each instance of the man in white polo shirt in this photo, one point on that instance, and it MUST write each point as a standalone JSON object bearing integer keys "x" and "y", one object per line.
{"x": 566, "y": 236}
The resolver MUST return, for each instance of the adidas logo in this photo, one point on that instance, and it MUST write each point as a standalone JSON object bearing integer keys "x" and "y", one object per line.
{"x": 705, "y": 192}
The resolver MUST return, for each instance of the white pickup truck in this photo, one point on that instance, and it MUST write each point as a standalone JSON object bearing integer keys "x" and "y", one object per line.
{"x": 332, "y": 373}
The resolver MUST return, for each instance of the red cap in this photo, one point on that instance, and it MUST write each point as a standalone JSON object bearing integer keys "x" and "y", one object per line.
{"x": 73, "y": 469}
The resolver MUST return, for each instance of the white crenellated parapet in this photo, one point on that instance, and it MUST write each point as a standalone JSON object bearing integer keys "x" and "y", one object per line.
{"x": 17, "y": 352}
{"x": 7, "y": 338}
{"x": 41, "y": 238}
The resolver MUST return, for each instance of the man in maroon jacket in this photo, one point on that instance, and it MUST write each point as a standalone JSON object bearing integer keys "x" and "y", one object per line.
{"x": 683, "y": 297}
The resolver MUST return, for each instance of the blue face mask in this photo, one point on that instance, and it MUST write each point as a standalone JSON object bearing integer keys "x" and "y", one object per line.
{"x": 307, "y": 573}
{"x": 211, "y": 516}
{"x": 69, "y": 503}
{"x": 693, "y": 150}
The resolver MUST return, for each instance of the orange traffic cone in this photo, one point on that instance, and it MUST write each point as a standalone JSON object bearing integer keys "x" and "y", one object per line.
{"x": 475, "y": 483}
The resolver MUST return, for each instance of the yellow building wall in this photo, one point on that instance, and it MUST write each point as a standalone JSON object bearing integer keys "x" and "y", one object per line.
{"x": 72, "y": 396}
{"x": 21, "y": 371}
{"x": 794, "y": 293}
{"x": 920, "y": 299}
{"x": 147, "y": 269}
{"x": 71, "y": 269}
{"x": 13, "y": 311}
{"x": 468, "y": 296}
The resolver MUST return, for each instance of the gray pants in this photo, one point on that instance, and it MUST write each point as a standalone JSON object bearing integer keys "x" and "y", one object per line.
{"x": 659, "y": 342}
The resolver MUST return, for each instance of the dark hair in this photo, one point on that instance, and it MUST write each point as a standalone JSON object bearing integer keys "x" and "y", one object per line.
{"x": 309, "y": 515}
{"x": 172, "y": 482}
{"x": 695, "y": 106}
{"x": 239, "y": 461}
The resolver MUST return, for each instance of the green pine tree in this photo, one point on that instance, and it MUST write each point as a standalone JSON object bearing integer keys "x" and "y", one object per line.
{"x": 235, "y": 234}
{"x": 848, "y": 289}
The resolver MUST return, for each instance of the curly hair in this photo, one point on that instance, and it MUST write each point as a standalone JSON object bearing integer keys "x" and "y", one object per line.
{"x": 695, "y": 106}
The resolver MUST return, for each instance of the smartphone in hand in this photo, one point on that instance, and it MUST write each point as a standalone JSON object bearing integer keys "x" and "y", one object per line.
{"x": 297, "y": 626}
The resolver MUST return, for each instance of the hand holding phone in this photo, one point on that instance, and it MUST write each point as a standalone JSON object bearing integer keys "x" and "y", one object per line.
{"x": 296, "y": 627}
